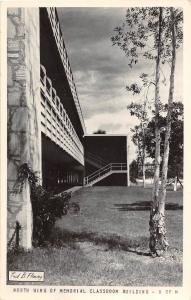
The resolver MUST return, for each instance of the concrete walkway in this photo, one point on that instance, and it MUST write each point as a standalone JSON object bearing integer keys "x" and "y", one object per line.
{"x": 74, "y": 189}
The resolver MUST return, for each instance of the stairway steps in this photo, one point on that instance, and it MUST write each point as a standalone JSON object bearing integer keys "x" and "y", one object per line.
{"x": 104, "y": 172}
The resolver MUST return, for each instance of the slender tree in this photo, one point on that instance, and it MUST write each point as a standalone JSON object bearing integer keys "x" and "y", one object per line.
{"x": 158, "y": 238}
{"x": 169, "y": 113}
{"x": 144, "y": 26}
{"x": 142, "y": 111}
{"x": 139, "y": 132}
{"x": 146, "y": 33}
{"x": 156, "y": 217}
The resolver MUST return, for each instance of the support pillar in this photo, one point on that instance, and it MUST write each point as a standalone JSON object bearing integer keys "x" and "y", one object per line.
{"x": 23, "y": 106}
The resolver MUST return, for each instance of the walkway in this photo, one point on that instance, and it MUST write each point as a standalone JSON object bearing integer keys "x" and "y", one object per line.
{"x": 74, "y": 189}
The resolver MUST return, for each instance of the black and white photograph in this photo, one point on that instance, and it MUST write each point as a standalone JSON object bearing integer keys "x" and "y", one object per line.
{"x": 95, "y": 149}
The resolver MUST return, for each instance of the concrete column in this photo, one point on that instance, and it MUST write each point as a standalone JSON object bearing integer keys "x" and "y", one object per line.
{"x": 127, "y": 149}
{"x": 23, "y": 105}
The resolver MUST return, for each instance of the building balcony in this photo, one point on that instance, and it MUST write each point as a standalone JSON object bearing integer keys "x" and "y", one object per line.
{"x": 55, "y": 122}
{"x": 52, "y": 14}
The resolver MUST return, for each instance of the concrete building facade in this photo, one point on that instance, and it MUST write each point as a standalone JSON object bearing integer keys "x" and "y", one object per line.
{"x": 45, "y": 123}
{"x": 23, "y": 107}
{"x": 102, "y": 150}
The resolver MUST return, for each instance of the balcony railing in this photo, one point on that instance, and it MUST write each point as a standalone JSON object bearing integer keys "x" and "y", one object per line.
{"x": 55, "y": 122}
{"x": 64, "y": 57}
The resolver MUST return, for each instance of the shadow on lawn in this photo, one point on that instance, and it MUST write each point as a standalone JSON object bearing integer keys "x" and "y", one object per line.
{"x": 61, "y": 238}
{"x": 144, "y": 205}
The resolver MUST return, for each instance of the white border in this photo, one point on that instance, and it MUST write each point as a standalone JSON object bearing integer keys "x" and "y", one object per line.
{"x": 185, "y": 292}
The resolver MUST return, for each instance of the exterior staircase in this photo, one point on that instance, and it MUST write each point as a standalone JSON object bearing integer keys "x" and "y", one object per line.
{"x": 104, "y": 172}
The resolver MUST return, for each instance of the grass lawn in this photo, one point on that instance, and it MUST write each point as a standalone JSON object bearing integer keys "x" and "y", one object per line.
{"x": 106, "y": 243}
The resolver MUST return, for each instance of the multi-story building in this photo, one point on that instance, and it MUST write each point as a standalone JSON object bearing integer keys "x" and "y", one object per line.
{"x": 45, "y": 123}
{"x": 62, "y": 122}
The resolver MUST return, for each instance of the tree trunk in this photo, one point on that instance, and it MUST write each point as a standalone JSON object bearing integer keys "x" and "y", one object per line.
{"x": 156, "y": 216}
{"x": 144, "y": 150}
{"x": 143, "y": 168}
{"x": 175, "y": 184}
{"x": 167, "y": 135}
{"x": 158, "y": 240}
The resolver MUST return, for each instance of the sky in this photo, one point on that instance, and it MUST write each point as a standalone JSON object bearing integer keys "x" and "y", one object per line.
{"x": 101, "y": 70}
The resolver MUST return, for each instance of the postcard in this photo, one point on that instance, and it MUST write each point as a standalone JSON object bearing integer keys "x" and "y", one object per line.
{"x": 95, "y": 195}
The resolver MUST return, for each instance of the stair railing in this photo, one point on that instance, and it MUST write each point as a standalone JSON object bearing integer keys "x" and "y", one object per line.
{"x": 105, "y": 170}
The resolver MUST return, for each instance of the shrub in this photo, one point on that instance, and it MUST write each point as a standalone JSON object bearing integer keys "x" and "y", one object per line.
{"x": 46, "y": 207}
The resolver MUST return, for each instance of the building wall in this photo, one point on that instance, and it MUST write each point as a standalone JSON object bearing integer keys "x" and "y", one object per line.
{"x": 23, "y": 92}
{"x": 26, "y": 143}
{"x": 110, "y": 148}
{"x": 113, "y": 180}
{"x": 60, "y": 169}
{"x": 51, "y": 60}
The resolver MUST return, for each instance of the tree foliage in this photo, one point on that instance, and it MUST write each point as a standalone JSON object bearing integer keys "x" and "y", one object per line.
{"x": 100, "y": 131}
{"x": 176, "y": 139}
{"x": 154, "y": 33}
{"x": 138, "y": 35}
{"x": 46, "y": 207}
{"x": 134, "y": 171}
